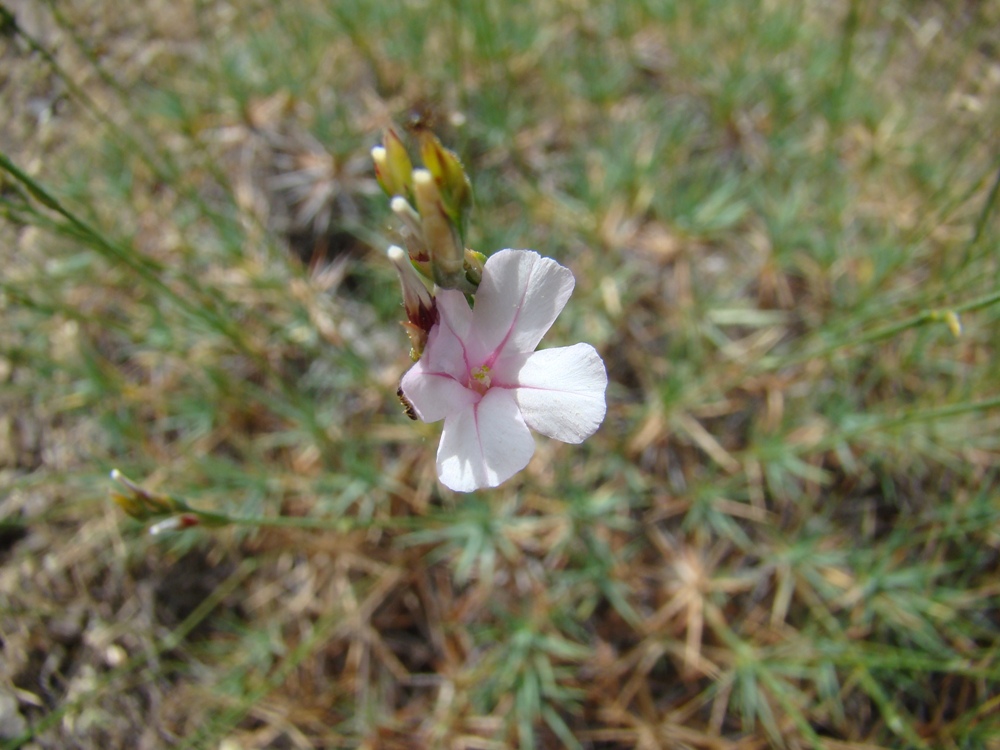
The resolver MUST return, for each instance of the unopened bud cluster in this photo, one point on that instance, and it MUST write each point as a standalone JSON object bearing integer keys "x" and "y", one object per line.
{"x": 432, "y": 204}
{"x": 171, "y": 513}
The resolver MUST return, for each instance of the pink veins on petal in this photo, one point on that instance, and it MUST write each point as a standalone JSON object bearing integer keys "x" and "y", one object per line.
{"x": 480, "y": 373}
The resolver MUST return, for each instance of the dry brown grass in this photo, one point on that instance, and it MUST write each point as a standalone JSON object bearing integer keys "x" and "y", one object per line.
{"x": 773, "y": 541}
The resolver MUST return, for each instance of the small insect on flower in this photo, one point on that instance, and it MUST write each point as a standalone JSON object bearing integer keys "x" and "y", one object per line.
{"x": 407, "y": 406}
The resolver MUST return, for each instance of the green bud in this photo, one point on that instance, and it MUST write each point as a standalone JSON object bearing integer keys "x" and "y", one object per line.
{"x": 140, "y": 503}
{"x": 381, "y": 160}
{"x": 440, "y": 234}
{"x": 393, "y": 168}
{"x": 144, "y": 505}
{"x": 450, "y": 176}
{"x": 474, "y": 263}
{"x": 954, "y": 323}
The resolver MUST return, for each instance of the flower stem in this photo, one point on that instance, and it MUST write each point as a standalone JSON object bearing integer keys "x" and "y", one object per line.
{"x": 947, "y": 315}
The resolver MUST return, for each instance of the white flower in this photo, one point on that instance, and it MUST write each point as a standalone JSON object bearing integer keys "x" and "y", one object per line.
{"x": 481, "y": 374}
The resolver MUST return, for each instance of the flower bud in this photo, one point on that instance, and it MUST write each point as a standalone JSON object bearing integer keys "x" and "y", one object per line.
{"x": 474, "y": 263}
{"x": 382, "y": 174}
{"x": 413, "y": 234}
{"x": 175, "y": 523}
{"x": 393, "y": 167}
{"x": 140, "y": 503}
{"x": 440, "y": 234}
{"x": 407, "y": 214}
{"x": 954, "y": 323}
{"x": 450, "y": 176}
{"x": 420, "y": 311}
{"x": 173, "y": 511}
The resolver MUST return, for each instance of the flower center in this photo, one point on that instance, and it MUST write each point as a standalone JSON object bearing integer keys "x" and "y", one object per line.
{"x": 479, "y": 380}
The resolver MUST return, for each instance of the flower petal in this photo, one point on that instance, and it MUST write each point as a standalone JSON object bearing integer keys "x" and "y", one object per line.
{"x": 435, "y": 385}
{"x": 435, "y": 395}
{"x": 484, "y": 444}
{"x": 561, "y": 392}
{"x": 520, "y": 296}
{"x": 454, "y": 311}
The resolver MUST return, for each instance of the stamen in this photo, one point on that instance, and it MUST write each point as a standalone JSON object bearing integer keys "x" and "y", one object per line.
{"x": 480, "y": 379}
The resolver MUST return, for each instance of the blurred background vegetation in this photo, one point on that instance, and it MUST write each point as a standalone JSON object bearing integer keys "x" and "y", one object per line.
{"x": 782, "y": 218}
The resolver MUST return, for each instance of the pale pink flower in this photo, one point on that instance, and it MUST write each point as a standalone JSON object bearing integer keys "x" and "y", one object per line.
{"x": 481, "y": 374}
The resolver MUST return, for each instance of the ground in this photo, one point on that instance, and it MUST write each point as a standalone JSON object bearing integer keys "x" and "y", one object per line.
{"x": 782, "y": 220}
